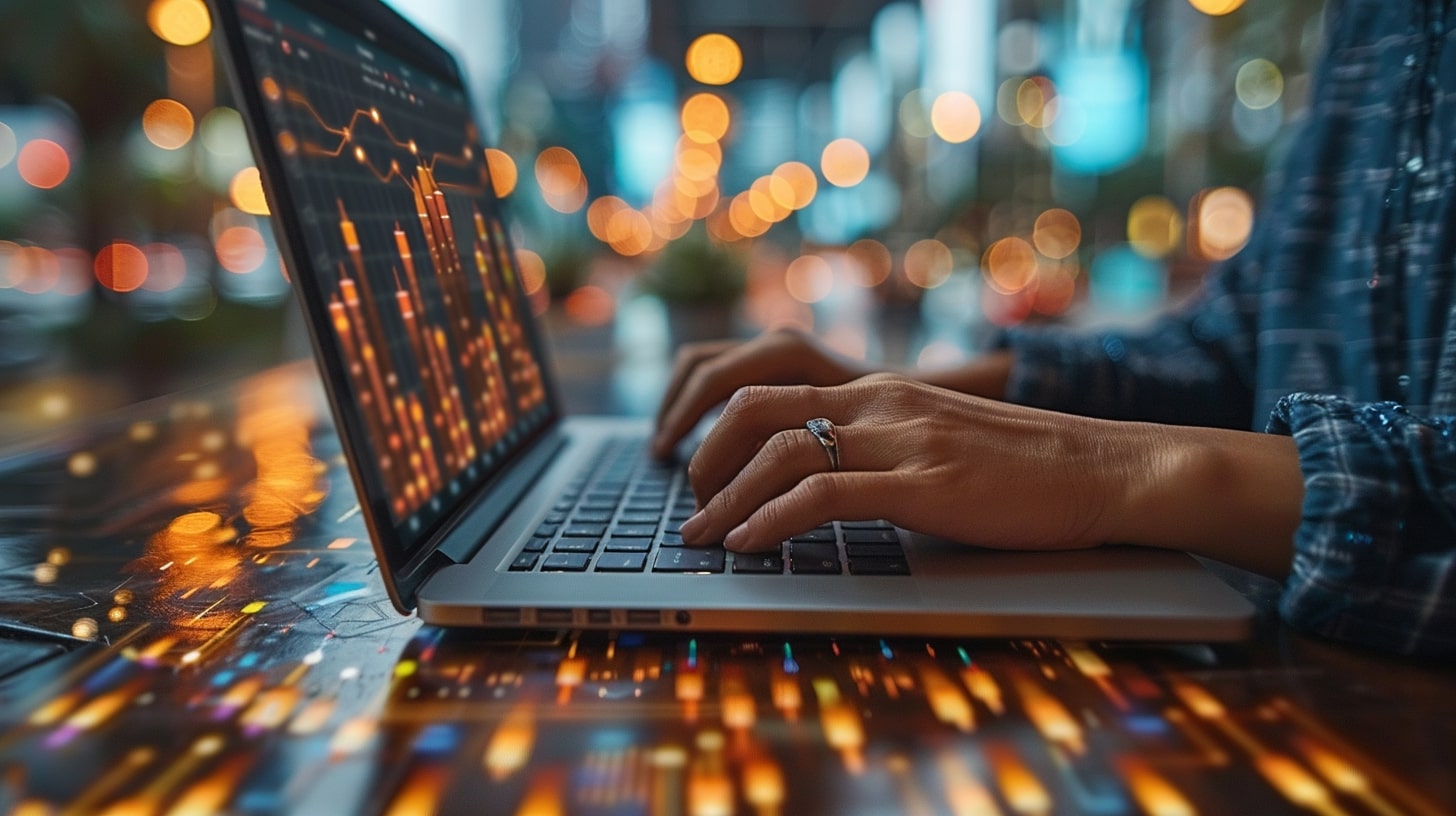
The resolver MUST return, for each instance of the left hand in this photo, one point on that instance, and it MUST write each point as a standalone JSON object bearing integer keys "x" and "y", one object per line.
{"x": 924, "y": 458}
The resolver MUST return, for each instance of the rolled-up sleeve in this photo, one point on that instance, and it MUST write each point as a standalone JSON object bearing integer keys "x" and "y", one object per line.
{"x": 1375, "y": 549}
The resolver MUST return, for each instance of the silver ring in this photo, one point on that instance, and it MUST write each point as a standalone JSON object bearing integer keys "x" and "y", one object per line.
{"x": 823, "y": 431}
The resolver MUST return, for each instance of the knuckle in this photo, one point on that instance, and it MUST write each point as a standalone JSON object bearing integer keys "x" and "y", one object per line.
{"x": 747, "y": 397}
{"x": 782, "y": 446}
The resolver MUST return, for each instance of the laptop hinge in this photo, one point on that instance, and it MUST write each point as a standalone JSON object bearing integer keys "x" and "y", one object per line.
{"x": 463, "y": 539}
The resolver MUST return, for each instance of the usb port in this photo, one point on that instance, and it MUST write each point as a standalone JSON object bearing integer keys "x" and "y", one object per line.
{"x": 601, "y": 616}
{"x": 644, "y": 616}
{"x": 550, "y": 616}
{"x": 502, "y": 616}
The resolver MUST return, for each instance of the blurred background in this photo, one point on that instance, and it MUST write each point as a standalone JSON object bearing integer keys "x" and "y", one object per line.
{"x": 903, "y": 178}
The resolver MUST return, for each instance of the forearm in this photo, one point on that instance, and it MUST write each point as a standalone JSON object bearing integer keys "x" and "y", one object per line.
{"x": 1229, "y": 495}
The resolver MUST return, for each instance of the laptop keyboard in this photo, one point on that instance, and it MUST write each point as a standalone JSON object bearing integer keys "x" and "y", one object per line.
{"x": 625, "y": 515}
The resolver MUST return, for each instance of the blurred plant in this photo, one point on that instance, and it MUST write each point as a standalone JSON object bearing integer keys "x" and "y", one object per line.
{"x": 694, "y": 270}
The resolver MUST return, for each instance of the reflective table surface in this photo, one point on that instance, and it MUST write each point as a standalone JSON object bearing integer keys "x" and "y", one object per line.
{"x": 191, "y": 621}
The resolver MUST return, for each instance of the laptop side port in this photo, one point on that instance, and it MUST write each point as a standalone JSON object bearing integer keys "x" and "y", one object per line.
{"x": 600, "y": 617}
{"x": 511, "y": 616}
{"x": 548, "y": 617}
{"x": 643, "y": 617}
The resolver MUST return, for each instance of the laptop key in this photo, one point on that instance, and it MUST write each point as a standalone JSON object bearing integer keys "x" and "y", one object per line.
{"x": 635, "y": 530}
{"x": 565, "y": 562}
{"x": 524, "y": 562}
{"x": 584, "y": 531}
{"x": 640, "y": 518}
{"x": 592, "y": 516}
{"x": 621, "y": 562}
{"x": 876, "y": 524}
{"x": 816, "y": 534}
{"x": 873, "y": 551}
{"x": 536, "y": 545}
{"x": 575, "y": 545}
{"x": 547, "y": 530}
{"x": 878, "y": 566}
{"x": 672, "y": 539}
{"x": 684, "y": 559}
{"x": 871, "y": 537}
{"x": 814, "y": 558}
{"x": 758, "y": 563}
{"x": 639, "y": 545}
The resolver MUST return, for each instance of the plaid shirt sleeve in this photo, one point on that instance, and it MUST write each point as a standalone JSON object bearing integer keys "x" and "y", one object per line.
{"x": 1375, "y": 553}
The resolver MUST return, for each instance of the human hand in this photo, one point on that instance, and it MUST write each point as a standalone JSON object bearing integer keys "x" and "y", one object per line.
{"x": 705, "y": 374}
{"x": 924, "y": 458}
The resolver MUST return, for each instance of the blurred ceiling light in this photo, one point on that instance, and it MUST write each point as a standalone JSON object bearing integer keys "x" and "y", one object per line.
{"x": 844, "y": 162}
{"x": 1057, "y": 233}
{"x": 801, "y": 180}
{"x": 179, "y": 22}
{"x": 167, "y": 124}
{"x": 714, "y": 59}
{"x": 913, "y": 117}
{"x": 503, "y": 173}
{"x": 705, "y": 117}
{"x": 1009, "y": 265}
{"x": 43, "y": 164}
{"x": 562, "y": 183}
{"x": 1259, "y": 84}
{"x": 599, "y": 216}
{"x": 1154, "y": 227}
{"x": 121, "y": 266}
{"x": 873, "y": 261}
{"x": 240, "y": 249}
{"x": 809, "y": 279}
{"x": 246, "y": 192}
{"x": 8, "y": 144}
{"x": 1216, "y": 8}
{"x": 928, "y": 263}
{"x": 1225, "y": 217}
{"x": 955, "y": 116}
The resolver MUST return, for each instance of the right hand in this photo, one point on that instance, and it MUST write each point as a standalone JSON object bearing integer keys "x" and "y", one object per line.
{"x": 706, "y": 374}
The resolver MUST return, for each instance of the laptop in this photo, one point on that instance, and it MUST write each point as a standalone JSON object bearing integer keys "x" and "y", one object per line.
{"x": 485, "y": 505}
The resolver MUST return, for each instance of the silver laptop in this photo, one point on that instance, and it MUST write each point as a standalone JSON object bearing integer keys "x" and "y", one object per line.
{"x": 486, "y": 506}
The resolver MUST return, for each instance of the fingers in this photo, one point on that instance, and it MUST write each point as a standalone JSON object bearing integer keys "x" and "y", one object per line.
{"x": 711, "y": 380}
{"x": 821, "y": 498}
{"x": 787, "y": 459}
{"x": 752, "y": 417}
{"x": 687, "y": 361}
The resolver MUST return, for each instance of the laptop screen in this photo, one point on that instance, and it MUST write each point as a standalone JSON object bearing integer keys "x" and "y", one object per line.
{"x": 429, "y": 339}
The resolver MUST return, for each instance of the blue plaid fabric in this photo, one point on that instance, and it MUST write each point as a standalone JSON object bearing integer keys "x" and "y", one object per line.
{"x": 1335, "y": 325}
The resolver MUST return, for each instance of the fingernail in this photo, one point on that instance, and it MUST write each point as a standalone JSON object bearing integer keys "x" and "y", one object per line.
{"x": 693, "y": 527}
{"x": 737, "y": 538}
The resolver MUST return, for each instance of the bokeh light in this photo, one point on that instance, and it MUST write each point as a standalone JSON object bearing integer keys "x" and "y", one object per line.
{"x": 166, "y": 267}
{"x": 240, "y": 249}
{"x": 121, "y": 266}
{"x": 1224, "y": 219}
{"x": 43, "y": 164}
{"x": 801, "y": 180}
{"x": 533, "y": 270}
{"x": 1259, "y": 84}
{"x": 168, "y": 124}
{"x": 503, "y": 173}
{"x": 928, "y": 263}
{"x": 714, "y": 59}
{"x": 1009, "y": 265}
{"x": 599, "y": 216}
{"x": 8, "y": 145}
{"x": 1154, "y": 226}
{"x": 1216, "y": 8}
{"x": 913, "y": 116}
{"x": 246, "y": 192}
{"x": 562, "y": 183}
{"x": 1057, "y": 233}
{"x": 179, "y": 22}
{"x": 705, "y": 117}
{"x": 809, "y": 279}
{"x": 844, "y": 162}
{"x": 872, "y": 260}
{"x": 955, "y": 116}
{"x": 590, "y": 305}
{"x": 1035, "y": 98}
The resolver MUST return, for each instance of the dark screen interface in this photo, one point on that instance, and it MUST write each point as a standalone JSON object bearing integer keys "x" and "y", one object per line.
{"x": 405, "y": 245}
